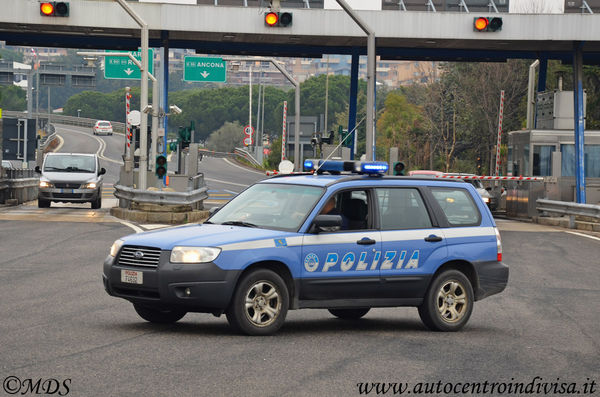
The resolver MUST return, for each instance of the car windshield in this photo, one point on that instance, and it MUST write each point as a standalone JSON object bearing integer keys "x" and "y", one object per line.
{"x": 70, "y": 163}
{"x": 270, "y": 206}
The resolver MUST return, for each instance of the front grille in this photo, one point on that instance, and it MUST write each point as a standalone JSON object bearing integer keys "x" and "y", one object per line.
{"x": 68, "y": 195}
{"x": 146, "y": 256}
{"x": 67, "y": 185}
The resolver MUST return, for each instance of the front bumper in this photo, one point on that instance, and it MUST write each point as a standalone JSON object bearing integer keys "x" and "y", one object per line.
{"x": 69, "y": 195}
{"x": 492, "y": 277}
{"x": 164, "y": 287}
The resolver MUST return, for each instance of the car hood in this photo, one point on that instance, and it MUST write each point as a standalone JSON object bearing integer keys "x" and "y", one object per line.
{"x": 69, "y": 176}
{"x": 202, "y": 235}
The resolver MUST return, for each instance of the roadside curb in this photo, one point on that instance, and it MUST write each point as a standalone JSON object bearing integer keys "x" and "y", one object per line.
{"x": 166, "y": 217}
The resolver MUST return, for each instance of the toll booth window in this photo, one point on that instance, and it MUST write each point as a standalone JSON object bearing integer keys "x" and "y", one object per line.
{"x": 542, "y": 160}
{"x": 402, "y": 209}
{"x": 458, "y": 206}
{"x": 591, "y": 160}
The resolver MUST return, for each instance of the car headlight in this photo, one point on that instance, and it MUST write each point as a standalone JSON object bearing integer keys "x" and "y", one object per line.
{"x": 194, "y": 254}
{"x": 90, "y": 185}
{"x": 45, "y": 184}
{"x": 486, "y": 200}
{"x": 114, "y": 249}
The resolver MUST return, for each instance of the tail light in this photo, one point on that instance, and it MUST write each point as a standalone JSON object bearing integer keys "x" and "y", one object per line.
{"x": 498, "y": 244}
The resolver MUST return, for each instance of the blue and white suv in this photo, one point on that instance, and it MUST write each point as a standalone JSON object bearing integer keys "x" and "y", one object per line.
{"x": 327, "y": 240}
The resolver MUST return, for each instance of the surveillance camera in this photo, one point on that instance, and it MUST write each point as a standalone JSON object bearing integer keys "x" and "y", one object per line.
{"x": 147, "y": 109}
{"x": 175, "y": 109}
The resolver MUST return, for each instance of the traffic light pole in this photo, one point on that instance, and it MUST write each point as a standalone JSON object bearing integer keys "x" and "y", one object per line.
{"x": 371, "y": 58}
{"x": 142, "y": 183}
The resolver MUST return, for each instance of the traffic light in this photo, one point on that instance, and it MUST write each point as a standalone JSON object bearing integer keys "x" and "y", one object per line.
{"x": 484, "y": 24}
{"x": 278, "y": 19}
{"x": 399, "y": 168}
{"x": 54, "y": 9}
{"x": 479, "y": 164}
{"x": 347, "y": 140}
{"x": 161, "y": 165}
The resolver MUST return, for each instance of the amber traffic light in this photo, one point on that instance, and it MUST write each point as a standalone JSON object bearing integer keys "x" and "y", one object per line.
{"x": 278, "y": 19}
{"x": 54, "y": 9}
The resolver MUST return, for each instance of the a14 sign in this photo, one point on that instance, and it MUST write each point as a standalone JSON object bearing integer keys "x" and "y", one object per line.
{"x": 124, "y": 68}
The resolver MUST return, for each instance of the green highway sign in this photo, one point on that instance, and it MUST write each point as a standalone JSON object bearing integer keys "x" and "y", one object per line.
{"x": 124, "y": 68}
{"x": 204, "y": 69}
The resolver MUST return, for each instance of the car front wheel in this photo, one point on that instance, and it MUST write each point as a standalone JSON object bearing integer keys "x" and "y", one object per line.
{"x": 43, "y": 203}
{"x": 159, "y": 316}
{"x": 98, "y": 202}
{"x": 448, "y": 303}
{"x": 259, "y": 304}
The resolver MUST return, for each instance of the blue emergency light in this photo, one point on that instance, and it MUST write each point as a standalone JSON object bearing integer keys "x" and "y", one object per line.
{"x": 339, "y": 166}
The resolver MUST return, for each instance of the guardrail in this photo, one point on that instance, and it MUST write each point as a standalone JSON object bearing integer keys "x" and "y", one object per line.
{"x": 60, "y": 119}
{"x": 161, "y": 197}
{"x": 247, "y": 156}
{"x": 567, "y": 208}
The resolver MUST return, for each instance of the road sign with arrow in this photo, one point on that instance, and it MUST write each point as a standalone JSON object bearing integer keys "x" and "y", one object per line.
{"x": 124, "y": 68}
{"x": 204, "y": 69}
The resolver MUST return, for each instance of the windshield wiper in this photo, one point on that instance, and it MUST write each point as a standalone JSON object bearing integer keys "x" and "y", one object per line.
{"x": 239, "y": 223}
{"x": 49, "y": 168}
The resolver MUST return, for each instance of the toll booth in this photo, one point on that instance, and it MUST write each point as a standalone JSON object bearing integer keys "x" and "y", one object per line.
{"x": 549, "y": 154}
{"x": 549, "y": 151}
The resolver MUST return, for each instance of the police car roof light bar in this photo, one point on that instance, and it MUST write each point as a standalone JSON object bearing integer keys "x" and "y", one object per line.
{"x": 338, "y": 166}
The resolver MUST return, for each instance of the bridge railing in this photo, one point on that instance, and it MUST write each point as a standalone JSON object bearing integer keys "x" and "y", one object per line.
{"x": 567, "y": 208}
{"x": 60, "y": 119}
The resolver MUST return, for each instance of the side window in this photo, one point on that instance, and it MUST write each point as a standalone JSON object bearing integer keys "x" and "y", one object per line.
{"x": 458, "y": 206}
{"x": 401, "y": 208}
{"x": 353, "y": 206}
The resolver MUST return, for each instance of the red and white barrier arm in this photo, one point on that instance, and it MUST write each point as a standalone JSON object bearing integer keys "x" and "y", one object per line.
{"x": 494, "y": 178}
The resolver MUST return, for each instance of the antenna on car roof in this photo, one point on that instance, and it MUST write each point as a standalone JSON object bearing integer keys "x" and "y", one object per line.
{"x": 340, "y": 144}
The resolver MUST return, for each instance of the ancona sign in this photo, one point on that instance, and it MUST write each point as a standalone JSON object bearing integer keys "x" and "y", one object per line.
{"x": 204, "y": 69}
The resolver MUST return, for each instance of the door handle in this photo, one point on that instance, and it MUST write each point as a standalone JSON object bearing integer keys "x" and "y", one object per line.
{"x": 432, "y": 238}
{"x": 366, "y": 241}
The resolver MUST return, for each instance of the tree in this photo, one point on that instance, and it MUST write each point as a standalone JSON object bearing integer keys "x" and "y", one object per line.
{"x": 226, "y": 138}
{"x": 13, "y": 98}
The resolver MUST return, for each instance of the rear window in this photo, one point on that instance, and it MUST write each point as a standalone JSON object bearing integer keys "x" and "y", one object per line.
{"x": 104, "y": 124}
{"x": 458, "y": 206}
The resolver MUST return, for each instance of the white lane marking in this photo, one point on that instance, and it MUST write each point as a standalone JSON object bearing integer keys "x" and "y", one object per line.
{"x": 131, "y": 225}
{"x": 60, "y": 144}
{"x": 225, "y": 182}
{"x": 583, "y": 235}
{"x": 242, "y": 168}
{"x": 101, "y": 142}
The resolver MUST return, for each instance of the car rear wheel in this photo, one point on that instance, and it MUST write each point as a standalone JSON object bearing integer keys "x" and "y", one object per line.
{"x": 349, "y": 314}
{"x": 98, "y": 202}
{"x": 259, "y": 304}
{"x": 43, "y": 203}
{"x": 448, "y": 303}
{"x": 159, "y": 316}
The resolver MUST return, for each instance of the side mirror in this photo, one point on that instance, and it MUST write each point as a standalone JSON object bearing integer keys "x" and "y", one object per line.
{"x": 322, "y": 221}
{"x": 102, "y": 171}
{"x": 37, "y": 169}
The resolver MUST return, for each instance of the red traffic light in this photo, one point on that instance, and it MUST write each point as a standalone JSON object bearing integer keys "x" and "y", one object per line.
{"x": 278, "y": 19}
{"x": 47, "y": 9}
{"x": 54, "y": 8}
{"x": 271, "y": 18}
{"x": 483, "y": 24}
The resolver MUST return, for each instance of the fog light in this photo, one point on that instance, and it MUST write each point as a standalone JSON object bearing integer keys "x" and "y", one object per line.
{"x": 188, "y": 292}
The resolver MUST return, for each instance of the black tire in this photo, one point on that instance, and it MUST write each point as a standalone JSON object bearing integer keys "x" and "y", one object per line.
{"x": 159, "y": 316}
{"x": 448, "y": 303}
{"x": 43, "y": 203}
{"x": 98, "y": 202}
{"x": 270, "y": 301}
{"x": 349, "y": 314}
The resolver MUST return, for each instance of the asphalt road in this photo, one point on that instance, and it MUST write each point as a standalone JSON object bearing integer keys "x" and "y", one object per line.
{"x": 57, "y": 322}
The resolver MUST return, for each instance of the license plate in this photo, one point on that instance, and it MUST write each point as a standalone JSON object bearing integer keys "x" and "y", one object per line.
{"x": 66, "y": 190}
{"x": 132, "y": 277}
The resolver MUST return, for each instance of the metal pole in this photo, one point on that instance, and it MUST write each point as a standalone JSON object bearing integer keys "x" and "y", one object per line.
{"x": 142, "y": 184}
{"x": 353, "y": 98}
{"x": 579, "y": 129}
{"x": 37, "y": 99}
{"x": 530, "y": 96}
{"x": 128, "y": 165}
{"x": 297, "y": 159}
{"x": 250, "y": 97}
{"x": 155, "y": 109}
{"x": 325, "y": 129}
{"x": 283, "y": 132}
{"x": 371, "y": 61}
{"x": 165, "y": 81}
{"x": 499, "y": 142}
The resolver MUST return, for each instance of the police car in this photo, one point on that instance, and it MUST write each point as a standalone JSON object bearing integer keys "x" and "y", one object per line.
{"x": 346, "y": 242}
